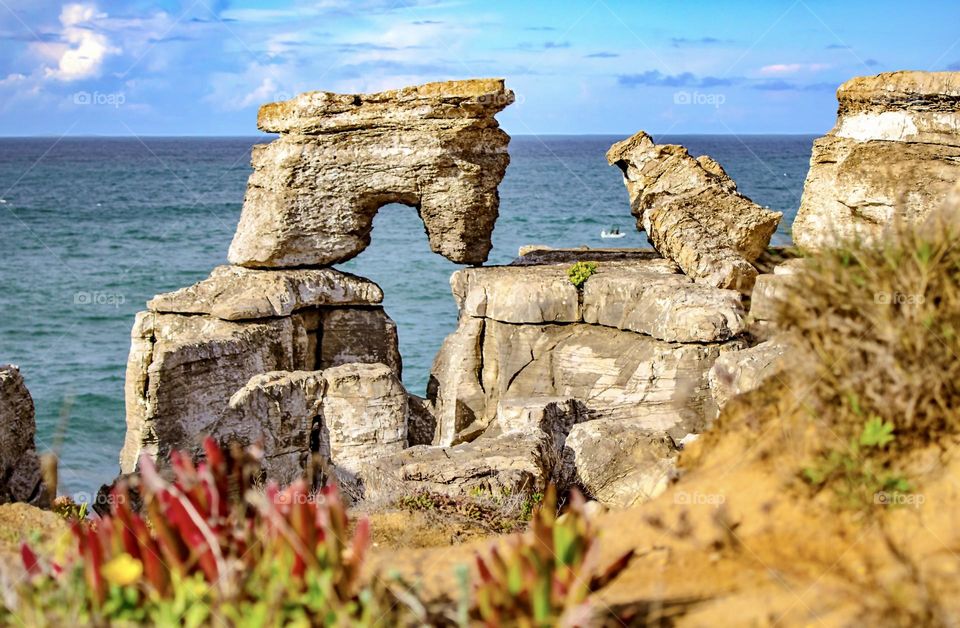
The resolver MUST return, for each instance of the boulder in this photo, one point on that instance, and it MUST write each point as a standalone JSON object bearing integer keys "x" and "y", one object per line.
{"x": 894, "y": 153}
{"x": 510, "y": 465}
{"x": 183, "y": 370}
{"x": 665, "y": 306}
{"x": 234, "y": 293}
{"x": 517, "y": 294}
{"x": 282, "y": 412}
{"x": 738, "y": 372}
{"x": 692, "y": 212}
{"x": 771, "y": 289}
{"x": 20, "y": 476}
{"x": 620, "y": 463}
{"x": 364, "y": 416}
{"x": 340, "y": 157}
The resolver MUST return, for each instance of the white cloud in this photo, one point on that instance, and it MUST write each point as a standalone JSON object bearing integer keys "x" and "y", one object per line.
{"x": 780, "y": 69}
{"x": 85, "y": 50}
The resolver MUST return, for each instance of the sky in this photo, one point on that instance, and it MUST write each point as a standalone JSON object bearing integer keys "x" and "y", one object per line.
{"x": 202, "y": 67}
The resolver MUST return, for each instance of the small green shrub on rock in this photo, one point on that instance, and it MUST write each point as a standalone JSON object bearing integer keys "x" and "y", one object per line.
{"x": 580, "y": 272}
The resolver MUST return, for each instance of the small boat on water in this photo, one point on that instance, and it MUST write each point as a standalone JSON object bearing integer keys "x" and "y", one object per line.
{"x": 614, "y": 233}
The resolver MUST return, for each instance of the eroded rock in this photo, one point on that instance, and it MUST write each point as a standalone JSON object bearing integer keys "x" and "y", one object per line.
{"x": 183, "y": 370}
{"x": 340, "y": 157}
{"x": 20, "y": 476}
{"x": 279, "y": 411}
{"x": 616, "y": 374}
{"x": 620, "y": 463}
{"x": 235, "y": 293}
{"x": 517, "y": 294}
{"x": 513, "y": 464}
{"x": 893, "y": 153}
{"x": 692, "y": 212}
{"x": 666, "y": 306}
{"x": 738, "y": 372}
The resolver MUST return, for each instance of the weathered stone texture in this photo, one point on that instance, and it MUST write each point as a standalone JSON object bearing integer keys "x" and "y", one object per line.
{"x": 20, "y": 477}
{"x": 692, "y": 212}
{"x": 315, "y": 190}
{"x": 235, "y": 293}
{"x": 620, "y": 463}
{"x": 893, "y": 154}
{"x": 183, "y": 370}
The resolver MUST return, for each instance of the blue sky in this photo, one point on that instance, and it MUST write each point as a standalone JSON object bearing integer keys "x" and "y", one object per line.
{"x": 201, "y": 67}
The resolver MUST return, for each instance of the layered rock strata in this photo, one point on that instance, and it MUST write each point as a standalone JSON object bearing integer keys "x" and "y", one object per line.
{"x": 225, "y": 356}
{"x": 20, "y": 475}
{"x": 635, "y": 344}
{"x": 340, "y": 157}
{"x": 692, "y": 212}
{"x": 893, "y": 154}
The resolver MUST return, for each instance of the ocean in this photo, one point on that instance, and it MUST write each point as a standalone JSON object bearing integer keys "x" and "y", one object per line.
{"x": 91, "y": 228}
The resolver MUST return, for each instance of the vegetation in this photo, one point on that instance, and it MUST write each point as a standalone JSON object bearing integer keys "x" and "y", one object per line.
{"x": 580, "y": 272}
{"x": 881, "y": 323}
{"x": 500, "y": 514}
{"x": 543, "y": 577}
{"x": 211, "y": 549}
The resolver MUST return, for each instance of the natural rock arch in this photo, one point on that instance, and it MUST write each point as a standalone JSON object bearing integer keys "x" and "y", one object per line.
{"x": 339, "y": 158}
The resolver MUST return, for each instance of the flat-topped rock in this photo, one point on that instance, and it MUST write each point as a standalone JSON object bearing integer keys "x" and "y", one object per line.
{"x": 340, "y": 157}
{"x": 538, "y": 255}
{"x": 894, "y": 153}
{"x": 692, "y": 212}
{"x": 738, "y": 372}
{"x": 319, "y": 112}
{"x": 237, "y": 293}
{"x": 665, "y": 306}
{"x": 517, "y": 294}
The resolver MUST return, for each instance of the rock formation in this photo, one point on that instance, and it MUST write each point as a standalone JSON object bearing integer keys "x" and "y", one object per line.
{"x": 20, "y": 476}
{"x": 692, "y": 212}
{"x": 894, "y": 153}
{"x": 635, "y": 344}
{"x": 238, "y": 355}
{"x": 340, "y": 157}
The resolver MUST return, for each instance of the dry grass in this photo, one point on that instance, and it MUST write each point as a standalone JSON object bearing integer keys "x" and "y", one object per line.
{"x": 882, "y": 323}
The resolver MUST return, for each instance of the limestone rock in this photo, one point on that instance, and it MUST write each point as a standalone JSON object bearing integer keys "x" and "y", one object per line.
{"x": 20, "y": 477}
{"x": 351, "y": 335}
{"x": 692, "y": 212}
{"x": 455, "y": 389}
{"x": 314, "y": 191}
{"x": 517, "y": 294}
{"x": 894, "y": 153}
{"x": 668, "y": 307}
{"x": 364, "y": 415}
{"x": 508, "y": 465}
{"x": 621, "y": 464}
{"x": 183, "y": 370}
{"x": 738, "y": 372}
{"x": 281, "y": 411}
{"x": 236, "y": 293}
{"x": 616, "y": 374}
{"x": 771, "y": 289}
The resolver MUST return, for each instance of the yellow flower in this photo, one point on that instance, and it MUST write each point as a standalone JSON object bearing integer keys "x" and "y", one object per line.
{"x": 123, "y": 570}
